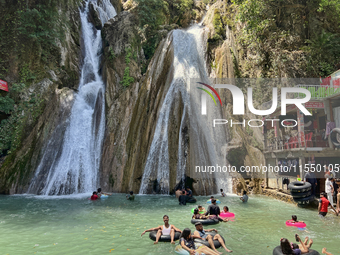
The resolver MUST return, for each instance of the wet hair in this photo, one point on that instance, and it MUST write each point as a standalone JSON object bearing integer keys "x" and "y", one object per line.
{"x": 94, "y": 193}
{"x": 99, "y": 190}
{"x": 201, "y": 206}
{"x": 294, "y": 217}
{"x": 196, "y": 211}
{"x": 244, "y": 192}
{"x": 285, "y": 247}
{"x": 221, "y": 190}
{"x": 323, "y": 193}
{"x": 183, "y": 192}
{"x": 165, "y": 216}
{"x": 186, "y": 233}
{"x": 226, "y": 207}
{"x": 213, "y": 200}
{"x": 212, "y": 197}
{"x": 131, "y": 192}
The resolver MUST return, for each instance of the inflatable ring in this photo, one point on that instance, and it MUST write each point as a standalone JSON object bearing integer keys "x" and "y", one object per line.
{"x": 290, "y": 223}
{"x": 304, "y": 200}
{"x": 163, "y": 238}
{"x": 217, "y": 201}
{"x": 335, "y": 136}
{"x": 302, "y": 194}
{"x": 181, "y": 251}
{"x": 191, "y": 200}
{"x": 206, "y": 243}
{"x": 298, "y": 187}
{"x": 201, "y": 212}
{"x": 227, "y": 215}
{"x": 104, "y": 196}
{"x": 278, "y": 251}
{"x": 206, "y": 221}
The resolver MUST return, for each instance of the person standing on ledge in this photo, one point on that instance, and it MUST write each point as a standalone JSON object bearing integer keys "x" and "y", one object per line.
{"x": 166, "y": 229}
{"x": 222, "y": 193}
{"x": 329, "y": 189}
{"x": 324, "y": 204}
{"x": 310, "y": 177}
{"x": 131, "y": 196}
{"x": 244, "y": 198}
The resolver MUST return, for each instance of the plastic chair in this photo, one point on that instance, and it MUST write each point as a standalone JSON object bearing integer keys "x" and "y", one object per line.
{"x": 308, "y": 139}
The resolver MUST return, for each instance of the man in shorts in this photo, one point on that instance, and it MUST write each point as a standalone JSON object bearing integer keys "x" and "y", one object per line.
{"x": 166, "y": 229}
{"x": 200, "y": 233}
{"x": 324, "y": 204}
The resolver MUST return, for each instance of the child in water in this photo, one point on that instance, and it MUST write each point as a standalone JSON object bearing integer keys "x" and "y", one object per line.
{"x": 294, "y": 219}
{"x": 222, "y": 193}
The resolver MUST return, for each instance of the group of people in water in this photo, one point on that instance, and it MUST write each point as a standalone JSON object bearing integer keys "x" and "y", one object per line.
{"x": 187, "y": 239}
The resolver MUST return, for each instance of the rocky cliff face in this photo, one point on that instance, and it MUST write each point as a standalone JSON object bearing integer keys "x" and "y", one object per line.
{"x": 132, "y": 111}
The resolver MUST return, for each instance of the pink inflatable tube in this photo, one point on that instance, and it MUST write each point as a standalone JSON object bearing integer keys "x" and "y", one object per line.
{"x": 298, "y": 224}
{"x": 227, "y": 215}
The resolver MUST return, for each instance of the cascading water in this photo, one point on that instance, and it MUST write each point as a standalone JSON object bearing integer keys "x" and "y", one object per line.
{"x": 73, "y": 168}
{"x": 189, "y": 51}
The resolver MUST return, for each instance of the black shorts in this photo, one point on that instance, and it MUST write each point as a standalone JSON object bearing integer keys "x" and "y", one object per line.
{"x": 323, "y": 213}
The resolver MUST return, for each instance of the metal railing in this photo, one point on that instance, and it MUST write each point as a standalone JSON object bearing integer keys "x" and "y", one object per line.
{"x": 318, "y": 91}
{"x": 291, "y": 143}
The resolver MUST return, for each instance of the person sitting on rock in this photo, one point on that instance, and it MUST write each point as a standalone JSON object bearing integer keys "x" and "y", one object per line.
{"x": 200, "y": 233}
{"x": 166, "y": 229}
{"x": 178, "y": 192}
{"x": 182, "y": 199}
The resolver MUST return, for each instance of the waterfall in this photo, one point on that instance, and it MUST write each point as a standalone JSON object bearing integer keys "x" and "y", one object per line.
{"x": 189, "y": 54}
{"x": 73, "y": 167}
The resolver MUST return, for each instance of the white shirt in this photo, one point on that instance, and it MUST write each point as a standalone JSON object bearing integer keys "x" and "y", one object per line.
{"x": 328, "y": 185}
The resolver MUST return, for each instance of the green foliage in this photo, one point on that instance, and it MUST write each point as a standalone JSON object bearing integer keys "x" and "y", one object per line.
{"x": 324, "y": 50}
{"x": 151, "y": 12}
{"x": 218, "y": 25}
{"x": 112, "y": 55}
{"x": 287, "y": 36}
{"x": 6, "y": 104}
{"x": 127, "y": 79}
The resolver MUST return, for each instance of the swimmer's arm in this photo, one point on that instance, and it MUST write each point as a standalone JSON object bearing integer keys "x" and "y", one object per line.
{"x": 152, "y": 229}
{"x": 319, "y": 207}
{"x": 196, "y": 235}
{"x": 185, "y": 247}
{"x": 304, "y": 248}
{"x": 210, "y": 230}
{"x": 176, "y": 229}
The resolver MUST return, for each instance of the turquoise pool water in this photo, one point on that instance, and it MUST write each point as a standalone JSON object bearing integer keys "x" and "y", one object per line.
{"x": 76, "y": 225}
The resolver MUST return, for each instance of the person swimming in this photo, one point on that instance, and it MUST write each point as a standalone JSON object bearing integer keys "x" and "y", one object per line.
{"x": 294, "y": 219}
{"x": 201, "y": 209}
{"x": 225, "y": 209}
